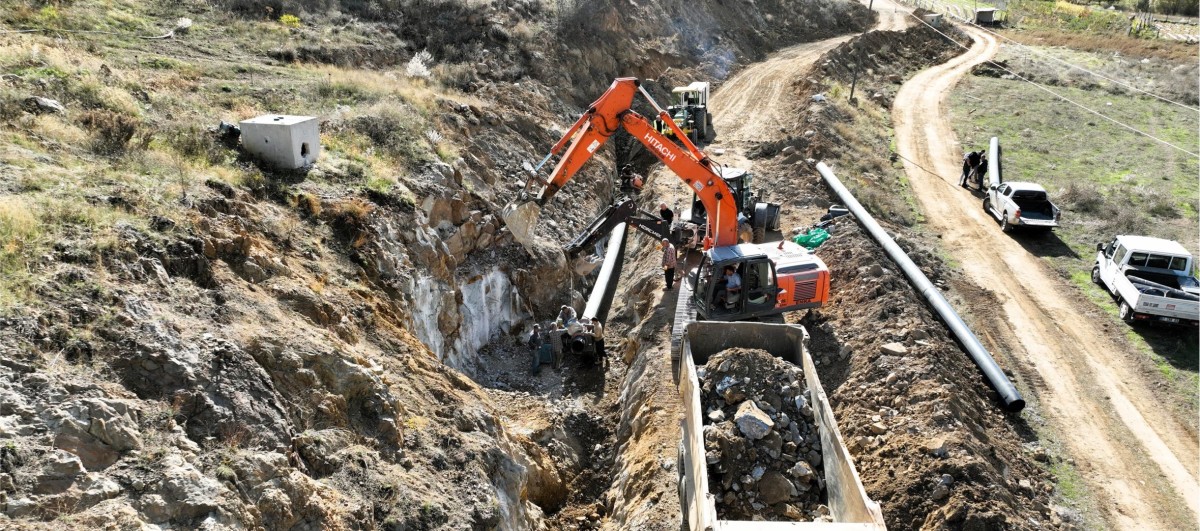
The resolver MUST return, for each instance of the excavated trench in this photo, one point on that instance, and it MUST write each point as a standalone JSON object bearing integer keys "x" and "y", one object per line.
{"x": 601, "y": 424}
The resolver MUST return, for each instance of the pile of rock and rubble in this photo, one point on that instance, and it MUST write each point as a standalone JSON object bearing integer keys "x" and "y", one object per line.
{"x": 762, "y": 446}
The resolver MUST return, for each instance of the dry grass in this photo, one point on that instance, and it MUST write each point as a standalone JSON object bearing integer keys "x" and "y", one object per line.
{"x": 20, "y": 230}
{"x": 1107, "y": 43}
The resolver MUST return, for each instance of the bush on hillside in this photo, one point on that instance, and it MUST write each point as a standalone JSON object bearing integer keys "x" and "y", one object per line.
{"x": 1082, "y": 197}
{"x": 111, "y": 132}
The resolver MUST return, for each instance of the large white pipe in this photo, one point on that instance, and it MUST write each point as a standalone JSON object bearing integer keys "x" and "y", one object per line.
{"x": 1008, "y": 392}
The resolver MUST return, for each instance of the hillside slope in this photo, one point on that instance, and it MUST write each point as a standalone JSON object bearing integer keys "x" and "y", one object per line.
{"x": 189, "y": 337}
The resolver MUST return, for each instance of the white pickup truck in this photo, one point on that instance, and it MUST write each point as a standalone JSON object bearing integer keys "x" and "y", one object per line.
{"x": 1019, "y": 204}
{"x": 1151, "y": 279}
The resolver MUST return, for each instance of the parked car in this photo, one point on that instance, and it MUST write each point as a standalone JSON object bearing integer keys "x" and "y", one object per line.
{"x": 1019, "y": 204}
{"x": 1152, "y": 279}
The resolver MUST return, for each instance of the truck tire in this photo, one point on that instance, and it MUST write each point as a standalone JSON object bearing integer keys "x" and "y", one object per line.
{"x": 1125, "y": 311}
{"x": 708, "y": 126}
{"x": 1096, "y": 276}
{"x": 1004, "y": 226}
{"x": 760, "y": 234}
{"x": 987, "y": 208}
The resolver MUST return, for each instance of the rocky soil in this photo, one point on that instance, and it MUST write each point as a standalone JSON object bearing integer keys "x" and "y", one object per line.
{"x": 761, "y": 444}
{"x": 306, "y": 351}
{"x": 230, "y": 346}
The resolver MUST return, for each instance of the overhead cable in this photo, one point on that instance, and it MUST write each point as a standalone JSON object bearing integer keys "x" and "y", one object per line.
{"x": 1061, "y": 97}
{"x": 1097, "y": 74}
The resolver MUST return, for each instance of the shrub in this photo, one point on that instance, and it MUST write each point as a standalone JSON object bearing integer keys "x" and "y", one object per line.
{"x": 1125, "y": 221}
{"x": 349, "y": 219}
{"x": 196, "y": 143}
{"x": 111, "y": 132}
{"x": 1082, "y": 197}
{"x": 289, "y": 20}
{"x": 418, "y": 66}
{"x": 1160, "y": 204}
{"x": 309, "y": 204}
{"x": 394, "y": 130}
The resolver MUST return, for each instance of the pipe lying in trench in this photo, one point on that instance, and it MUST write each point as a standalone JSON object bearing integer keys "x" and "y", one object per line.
{"x": 1008, "y": 393}
{"x": 601, "y": 297}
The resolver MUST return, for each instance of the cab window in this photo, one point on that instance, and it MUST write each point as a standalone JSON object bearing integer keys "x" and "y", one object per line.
{"x": 1158, "y": 261}
{"x": 1121, "y": 252}
{"x": 1137, "y": 259}
{"x": 1178, "y": 263}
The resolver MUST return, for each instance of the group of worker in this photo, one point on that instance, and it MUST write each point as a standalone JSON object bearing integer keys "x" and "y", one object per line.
{"x": 549, "y": 344}
{"x": 974, "y": 163}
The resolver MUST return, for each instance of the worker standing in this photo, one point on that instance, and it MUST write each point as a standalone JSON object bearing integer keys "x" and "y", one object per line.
{"x": 598, "y": 337}
{"x": 535, "y": 347}
{"x": 970, "y": 162}
{"x": 666, "y": 214}
{"x": 668, "y": 263}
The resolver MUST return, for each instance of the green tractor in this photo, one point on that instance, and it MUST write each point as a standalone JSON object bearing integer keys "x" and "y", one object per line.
{"x": 690, "y": 113}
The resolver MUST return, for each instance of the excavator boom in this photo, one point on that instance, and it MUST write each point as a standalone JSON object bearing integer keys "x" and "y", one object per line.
{"x": 603, "y": 118}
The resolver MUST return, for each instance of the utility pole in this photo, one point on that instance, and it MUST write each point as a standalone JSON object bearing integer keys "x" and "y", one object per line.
{"x": 854, "y": 81}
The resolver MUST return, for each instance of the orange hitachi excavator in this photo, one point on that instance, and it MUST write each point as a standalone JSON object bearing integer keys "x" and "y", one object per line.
{"x": 774, "y": 277}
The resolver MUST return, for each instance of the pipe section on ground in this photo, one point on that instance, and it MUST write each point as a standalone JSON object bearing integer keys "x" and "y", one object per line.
{"x": 995, "y": 170}
{"x": 601, "y": 297}
{"x": 1008, "y": 393}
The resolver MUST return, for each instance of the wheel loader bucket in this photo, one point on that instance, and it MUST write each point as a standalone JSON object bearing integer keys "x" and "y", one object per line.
{"x": 521, "y": 218}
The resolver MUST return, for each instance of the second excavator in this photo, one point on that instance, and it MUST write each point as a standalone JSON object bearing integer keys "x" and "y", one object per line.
{"x": 776, "y": 277}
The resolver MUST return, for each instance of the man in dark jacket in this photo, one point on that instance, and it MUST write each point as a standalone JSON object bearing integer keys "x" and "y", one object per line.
{"x": 666, "y": 214}
{"x": 971, "y": 161}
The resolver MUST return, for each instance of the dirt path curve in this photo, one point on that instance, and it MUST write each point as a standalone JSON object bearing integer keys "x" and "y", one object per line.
{"x": 752, "y": 104}
{"x": 1139, "y": 461}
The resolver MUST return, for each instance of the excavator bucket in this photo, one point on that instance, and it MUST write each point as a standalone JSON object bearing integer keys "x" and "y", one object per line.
{"x": 521, "y": 218}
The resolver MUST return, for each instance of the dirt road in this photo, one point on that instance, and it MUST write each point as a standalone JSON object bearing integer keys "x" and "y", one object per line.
{"x": 1138, "y": 461}
{"x": 754, "y": 102}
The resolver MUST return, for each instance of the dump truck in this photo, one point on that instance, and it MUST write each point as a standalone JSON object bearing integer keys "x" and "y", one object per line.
{"x": 849, "y": 505}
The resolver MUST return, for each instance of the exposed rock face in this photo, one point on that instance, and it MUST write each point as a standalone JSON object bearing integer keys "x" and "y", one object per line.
{"x": 95, "y": 430}
{"x": 237, "y": 392}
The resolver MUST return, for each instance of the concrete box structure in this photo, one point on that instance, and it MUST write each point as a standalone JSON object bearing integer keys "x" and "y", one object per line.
{"x": 985, "y": 15}
{"x": 288, "y": 142}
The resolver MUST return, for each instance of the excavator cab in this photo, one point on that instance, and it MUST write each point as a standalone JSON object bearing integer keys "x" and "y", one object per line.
{"x": 775, "y": 278}
{"x": 757, "y": 295}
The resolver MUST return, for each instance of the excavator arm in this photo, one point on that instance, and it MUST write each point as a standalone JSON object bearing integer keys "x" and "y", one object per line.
{"x": 623, "y": 212}
{"x": 602, "y": 119}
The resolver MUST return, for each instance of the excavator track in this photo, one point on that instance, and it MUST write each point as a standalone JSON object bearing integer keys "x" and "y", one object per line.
{"x": 685, "y": 314}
